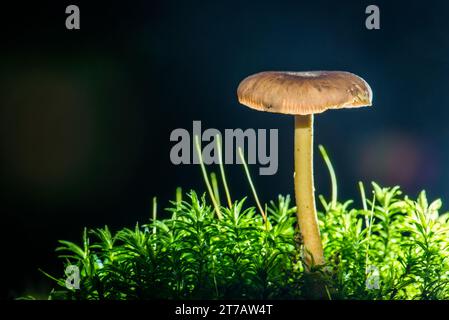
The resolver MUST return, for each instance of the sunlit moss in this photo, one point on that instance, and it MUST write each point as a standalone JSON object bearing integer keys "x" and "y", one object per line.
{"x": 393, "y": 247}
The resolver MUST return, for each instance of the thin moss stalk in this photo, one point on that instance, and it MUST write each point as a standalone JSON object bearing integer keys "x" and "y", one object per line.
{"x": 178, "y": 195}
{"x": 222, "y": 171}
{"x": 206, "y": 178}
{"x": 253, "y": 189}
{"x": 213, "y": 179}
{"x": 330, "y": 168}
{"x": 154, "y": 214}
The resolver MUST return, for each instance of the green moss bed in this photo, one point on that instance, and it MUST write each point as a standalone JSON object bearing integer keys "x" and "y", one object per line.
{"x": 392, "y": 247}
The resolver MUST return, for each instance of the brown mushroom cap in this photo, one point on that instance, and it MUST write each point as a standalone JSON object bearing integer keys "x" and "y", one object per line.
{"x": 302, "y": 93}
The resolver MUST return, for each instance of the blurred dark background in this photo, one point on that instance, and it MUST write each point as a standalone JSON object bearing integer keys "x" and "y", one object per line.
{"x": 86, "y": 115}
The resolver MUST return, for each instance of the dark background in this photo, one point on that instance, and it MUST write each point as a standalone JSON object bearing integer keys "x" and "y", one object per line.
{"x": 86, "y": 115}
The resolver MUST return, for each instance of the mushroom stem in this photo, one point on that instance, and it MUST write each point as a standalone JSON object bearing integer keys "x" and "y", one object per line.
{"x": 305, "y": 191}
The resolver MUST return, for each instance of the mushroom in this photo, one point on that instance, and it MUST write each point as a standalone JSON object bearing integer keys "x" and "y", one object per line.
{"x": 303, "y": 94}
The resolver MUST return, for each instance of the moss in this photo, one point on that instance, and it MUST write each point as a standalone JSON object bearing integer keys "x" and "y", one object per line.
{"x": 393, "y": 247}
{"x": 397, "y": 248}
